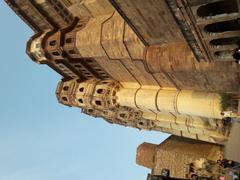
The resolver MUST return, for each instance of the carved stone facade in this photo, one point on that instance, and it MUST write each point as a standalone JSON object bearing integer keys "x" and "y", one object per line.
{"x": 94, "y": 94}
{"x": 144, "y": 64}
{"x": 110, "y": 100}
{"x": 217, "y": 27}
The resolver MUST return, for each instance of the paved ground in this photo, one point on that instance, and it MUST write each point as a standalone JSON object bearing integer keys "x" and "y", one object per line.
{"x": 232, "y": 150}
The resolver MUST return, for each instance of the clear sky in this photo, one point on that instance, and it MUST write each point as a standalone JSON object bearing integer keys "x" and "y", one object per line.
{"x": 41, "y": 139}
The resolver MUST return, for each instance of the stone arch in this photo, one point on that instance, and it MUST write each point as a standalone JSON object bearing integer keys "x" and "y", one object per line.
{"x": 53, "y": 43}
{"x": 225, "y": 41}
{"x": 53, "y": 47}
{"x": 216, "y": 8}
{"x": 55, "y": 53}
{"x": 65, "y": 88}
{"x": 65, "y": 99}
{"x": 219, "y": 27}
{"x": 100, "y": 91}
{"x": 81, "y": 89}
{"x": 70, "y": 45}
{"x": 98, "y": 103}
{"x": 80, "y": 100}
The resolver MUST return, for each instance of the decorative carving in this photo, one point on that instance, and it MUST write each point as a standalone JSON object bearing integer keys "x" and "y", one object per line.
{"x": 94, "y": 93}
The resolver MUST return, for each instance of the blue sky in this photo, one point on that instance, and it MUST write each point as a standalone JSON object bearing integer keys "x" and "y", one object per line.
{"x": 41, "y": 139}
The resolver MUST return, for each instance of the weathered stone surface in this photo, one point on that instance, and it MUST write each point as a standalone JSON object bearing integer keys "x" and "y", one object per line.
{"x": 175, "y": 154}
{"x": 152, "y": 19}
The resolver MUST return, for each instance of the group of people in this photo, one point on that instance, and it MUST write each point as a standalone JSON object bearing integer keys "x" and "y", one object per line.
{"x": 208, "y": 169}
{"x": 235, "y": 117}
{"x": 228, "y": 120}
{"x": 232, "y": 167}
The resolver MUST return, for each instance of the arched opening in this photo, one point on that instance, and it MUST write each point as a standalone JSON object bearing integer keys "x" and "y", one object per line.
{"x": 53, "y": 43}
{"x": 56, "y": 53}
{"x": 64, "y": 99}
{"x": 99, "y": 103}
{"x": 105, "y": 77}
{"x": 80, "y": 100}
{"x": 65, "y": 88}
{"x": 221, "y": 7}
{"x": 141, "y": 123}
{"x": 100, "y": 91}
{"x": 226, "y": 41}
{"x": 77, "y": 66}
{"x": 72, "y": 51}
{"x": 105, "y": 112}
{"x": 123, "y": 115}
{"x": 104, "y": 82}
{"x": 69, "y": 40}
{"x": 90, "y": 110}
{"x": 81, "y": 89}
{"x": 219, "y": 27}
